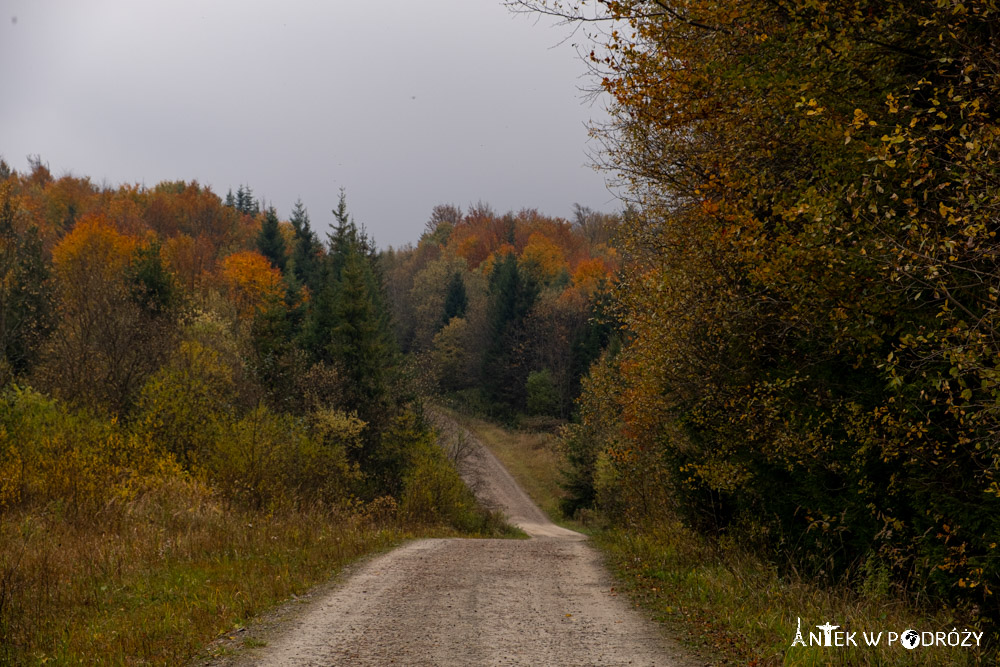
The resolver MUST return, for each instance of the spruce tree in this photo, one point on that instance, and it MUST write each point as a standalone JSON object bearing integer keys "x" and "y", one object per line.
{"x": 344, "y": 237}
{"x": 306, "y": 251}
{"x": 455, "y": 300}
{"x": 321, "y": 318}
{"x": 270, "y": 242}
{"x": 512, "y": 295}
{"x": 25, "y": 302}
{"x": 245, "y": 202}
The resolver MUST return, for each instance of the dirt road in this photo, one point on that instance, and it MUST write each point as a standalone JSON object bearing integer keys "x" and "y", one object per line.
{"x": 542, "y": 601}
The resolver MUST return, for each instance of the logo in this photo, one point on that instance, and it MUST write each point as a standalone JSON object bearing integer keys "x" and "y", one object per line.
{"x": 830, "y": 635}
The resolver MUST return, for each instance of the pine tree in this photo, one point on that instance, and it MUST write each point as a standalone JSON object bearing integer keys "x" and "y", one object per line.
{"x": 154, "y": 288}
{"x": 350, "y": 300}
{"x": 321, "y": 319}
{"x": 25, "y": 304}
{"x": 245, "y": 202}
{"x": 343, "y": 238}
{"x": 357, "y": 342}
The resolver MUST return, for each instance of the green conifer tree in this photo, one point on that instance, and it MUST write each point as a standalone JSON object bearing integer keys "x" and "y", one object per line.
{"x": 270, "y": 242}
{"x": 306, "y": 251}
{"x": 455, "y": 300}
{"x": 511, "y": 297}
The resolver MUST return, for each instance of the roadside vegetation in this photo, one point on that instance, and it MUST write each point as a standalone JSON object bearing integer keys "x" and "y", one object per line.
{"x": 530, "y": 455}
{"x": 719, "y": 597}
{"x": 601, "y": 450}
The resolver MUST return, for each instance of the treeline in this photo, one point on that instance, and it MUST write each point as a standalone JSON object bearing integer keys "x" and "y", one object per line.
{"x": 147, "y": 333}
{"x": 809, "y": 299}
{"x": 503, "y": 312}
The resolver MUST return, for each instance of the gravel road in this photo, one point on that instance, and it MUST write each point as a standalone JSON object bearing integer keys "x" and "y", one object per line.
{"x": 543, "y": 601}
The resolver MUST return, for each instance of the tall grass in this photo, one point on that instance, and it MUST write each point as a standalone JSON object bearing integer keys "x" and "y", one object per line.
{"x": 112, "y": 552}
{"x": 152, "y": 580}
{"x": 731, "y": 603}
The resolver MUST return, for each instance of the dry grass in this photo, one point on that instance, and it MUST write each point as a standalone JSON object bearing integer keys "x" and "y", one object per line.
{"x": 730, "y": 603}
{"x": 153, "y": 581}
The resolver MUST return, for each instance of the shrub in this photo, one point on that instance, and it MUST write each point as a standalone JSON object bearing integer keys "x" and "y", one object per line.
{"x": 53, "y": 454}
{"x": 542, "y": 396}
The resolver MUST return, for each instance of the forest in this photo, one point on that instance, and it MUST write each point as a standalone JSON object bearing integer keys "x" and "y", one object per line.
{"x": 785, "y": 344}
{"x": 504, "y": 313}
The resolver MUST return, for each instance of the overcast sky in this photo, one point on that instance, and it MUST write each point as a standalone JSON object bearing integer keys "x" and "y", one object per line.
{"x": 405, "y": 104}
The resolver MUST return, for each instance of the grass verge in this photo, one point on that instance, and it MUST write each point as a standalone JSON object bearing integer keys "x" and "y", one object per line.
{"x": 730, "y": 603}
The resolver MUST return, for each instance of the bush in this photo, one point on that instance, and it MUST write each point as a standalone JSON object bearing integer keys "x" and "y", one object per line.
{"x": 428, "y": 486}
{"x": 267, "y": 460}
{"x": 182, "y": 403}
{"x": 53, "y": 454}
{"x": 542, "y": 396}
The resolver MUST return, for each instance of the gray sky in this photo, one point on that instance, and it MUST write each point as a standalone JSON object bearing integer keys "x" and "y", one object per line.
{"x": 405, "y": 104}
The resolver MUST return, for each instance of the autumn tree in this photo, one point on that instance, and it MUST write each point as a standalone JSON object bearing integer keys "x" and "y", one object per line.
{"x": 252, "y": 282}
{"x": 542, "y": 259}
{"x": 114, "y": 317}
{"x": 429, "y": 295}
{"x": 810, "y": 300}
{"x": 447, "y": 276}
{"x": 444, "y": 218}
{"x": 597, "y": 228}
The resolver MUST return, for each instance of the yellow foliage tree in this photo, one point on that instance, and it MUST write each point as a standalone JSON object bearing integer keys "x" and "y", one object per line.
{"x": 251, "y": 282}
{"x": 542, "y": 258}
{"x": 589, "y": 274}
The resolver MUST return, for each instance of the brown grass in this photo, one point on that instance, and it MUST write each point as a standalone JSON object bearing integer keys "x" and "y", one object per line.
{"x": 731, "y": 604}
